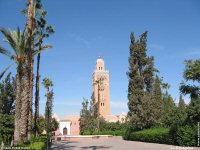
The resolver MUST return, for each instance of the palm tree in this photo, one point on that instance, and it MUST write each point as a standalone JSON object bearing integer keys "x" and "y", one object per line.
{"x": 98, "y": 83}
{"x": 18, "y": 42}
{"x": 31, "y": 24}
{"x": 38, "y": 22}
{"x": 42, "y": 31}
{"x": 47, "y": 84}
{"x": 166, "y": 86}
{"x": 48, "y": 111}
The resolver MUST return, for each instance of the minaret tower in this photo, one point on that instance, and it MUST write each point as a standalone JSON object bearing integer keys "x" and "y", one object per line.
{"x": 102, "y": 89}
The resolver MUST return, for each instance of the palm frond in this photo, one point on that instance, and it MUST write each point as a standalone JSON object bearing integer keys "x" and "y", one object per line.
{"x": 18, "y": 42}
{"x": 9, "y": 37}
{"x": 1, "y": 75}
{"x": 5, "y": 52}
{"x": 24, "y": 12}
{"x": 45, "y": 47}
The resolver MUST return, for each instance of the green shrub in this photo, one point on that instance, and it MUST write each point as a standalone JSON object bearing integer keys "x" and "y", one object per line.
{"x": 186, "y": 135}
{"x": 127, "y": 133}
{"x": 119, "y": 133}
{"x": 114, "y": 133}
{"x": 36, "y": 143}
{"x": 38, "y": 146}
{"x": 6, "y": 128}
{"x": 86, "y": 133}
{"x": 157, "y": 135}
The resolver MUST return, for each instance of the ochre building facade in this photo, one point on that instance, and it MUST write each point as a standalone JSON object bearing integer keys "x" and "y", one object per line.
{"x": 101, "y": 87}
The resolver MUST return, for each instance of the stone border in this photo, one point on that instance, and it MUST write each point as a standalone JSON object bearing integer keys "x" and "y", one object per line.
{"x": 80, "y": 137}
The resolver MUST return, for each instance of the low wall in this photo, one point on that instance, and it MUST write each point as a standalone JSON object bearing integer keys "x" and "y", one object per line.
{"x": 80, "y": 137}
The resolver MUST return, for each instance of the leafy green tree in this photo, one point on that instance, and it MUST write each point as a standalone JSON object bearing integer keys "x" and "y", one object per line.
{"x": 43, "y": 126}
{"x": 55, "y": 125}
{"x": 7, "y": 95}
{"x": 7, "y": 108}
{"x": 87, "y": 122}
{"x": 112, "y": 126}
{"x": 169, "y": 111}
{"x": 191, "y": 73}
{"x": 141, "y": 102}
{"x": 193, "y": 111}
{"x": 6, "y": 128}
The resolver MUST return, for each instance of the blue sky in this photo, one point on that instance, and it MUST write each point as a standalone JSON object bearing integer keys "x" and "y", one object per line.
{"x": 87, "y": 29}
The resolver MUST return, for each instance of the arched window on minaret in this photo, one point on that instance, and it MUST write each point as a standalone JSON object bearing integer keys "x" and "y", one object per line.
{"x": 100, "y": 65}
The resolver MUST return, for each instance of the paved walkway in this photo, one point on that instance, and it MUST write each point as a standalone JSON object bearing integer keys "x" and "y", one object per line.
{"x": 115, "y": 143}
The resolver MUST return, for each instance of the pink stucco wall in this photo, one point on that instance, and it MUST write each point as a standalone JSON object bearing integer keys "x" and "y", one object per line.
{"x": 74, "y": 128}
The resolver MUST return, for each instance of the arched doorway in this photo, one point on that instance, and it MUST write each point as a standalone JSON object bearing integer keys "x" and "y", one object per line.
{"x": 64, "y": 131}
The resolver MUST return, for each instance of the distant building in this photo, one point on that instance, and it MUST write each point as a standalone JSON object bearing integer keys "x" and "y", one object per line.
{"x": 101, "y": 92}
{"x": 68, "y": 126}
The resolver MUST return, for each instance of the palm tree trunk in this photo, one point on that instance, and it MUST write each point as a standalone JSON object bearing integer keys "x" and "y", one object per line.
{"x": 25, "y": 103}
{"x": 30, "y": 61}
{"x": 19, "y": 89}
{"x": 37, "y": 96}
{"x": 31, "y": 81}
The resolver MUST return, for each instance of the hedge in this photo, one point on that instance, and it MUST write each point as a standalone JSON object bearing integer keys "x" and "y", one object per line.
{"x": 185, "y": 135}
{"x": 114, "y": 133}
{"x": 38, "y": 143}
{"x": 157, "y": 135}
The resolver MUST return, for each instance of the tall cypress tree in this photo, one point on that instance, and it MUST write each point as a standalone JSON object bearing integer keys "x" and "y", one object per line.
{"x": 157, "y": 99}
{"x": 141, "y": 102}
{"x": 136, "y": 83}
{"x": 181, "y": 103}
{"x": 181, "y": 113}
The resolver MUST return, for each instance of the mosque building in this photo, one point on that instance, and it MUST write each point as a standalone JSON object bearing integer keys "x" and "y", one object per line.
{"x": 101, "y": 92}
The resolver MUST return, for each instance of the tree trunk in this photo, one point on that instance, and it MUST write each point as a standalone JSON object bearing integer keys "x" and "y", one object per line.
{"x": 25, "y": 104}
{"x": 37, "y": 96}
{"x": 31, "y": 81}
{"x": 19, "y": 89}
{"x": 30, "y": 62}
